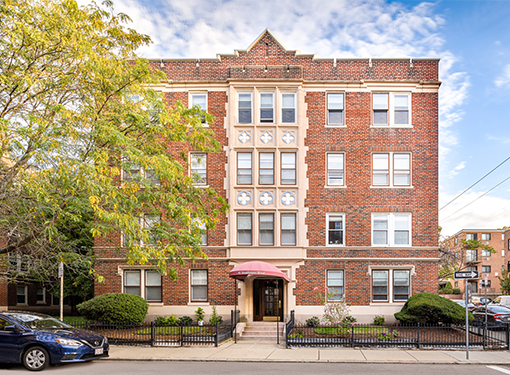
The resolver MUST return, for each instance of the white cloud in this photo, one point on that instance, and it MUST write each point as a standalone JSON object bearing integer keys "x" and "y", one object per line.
{"x": 487, "y": 212}
{"x": 504, "y": 78}
{"x": 499, "y": 139}
{"x": 455, "y": 171}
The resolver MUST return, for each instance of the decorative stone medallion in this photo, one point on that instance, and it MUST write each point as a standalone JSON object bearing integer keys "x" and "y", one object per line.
{"x": 288, "y": 137}
{"x": 243, "y": 198}
{"x": 266, "y": 137}
{"x": 244, "y": 136}
{"x": 266, "y": 197}
{"x": 288, "y": 198}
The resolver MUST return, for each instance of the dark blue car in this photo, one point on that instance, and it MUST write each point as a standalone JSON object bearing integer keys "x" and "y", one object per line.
{"x": 37, "y": 340}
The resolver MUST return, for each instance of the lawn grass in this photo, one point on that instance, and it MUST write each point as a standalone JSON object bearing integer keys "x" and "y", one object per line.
{"x": 173, "y": 331}
{"x": 74, "y": 320}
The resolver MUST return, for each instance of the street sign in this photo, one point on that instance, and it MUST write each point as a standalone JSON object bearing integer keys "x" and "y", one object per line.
{"x": 61, "y": 270}
{"x": 465, "y": 275}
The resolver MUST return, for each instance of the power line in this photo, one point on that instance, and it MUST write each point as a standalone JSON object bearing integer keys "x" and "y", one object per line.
{"x": 499, "y": 165}
{"x": 487, "y": 192}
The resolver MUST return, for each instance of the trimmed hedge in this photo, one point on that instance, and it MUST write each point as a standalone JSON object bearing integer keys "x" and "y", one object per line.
{"x": 115, "y": 308}
{"x": 430, "y": 308}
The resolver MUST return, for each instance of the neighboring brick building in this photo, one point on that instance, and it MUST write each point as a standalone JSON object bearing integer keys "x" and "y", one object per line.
{"x": 481, "y": 260}
{"x": 330, "y": 167}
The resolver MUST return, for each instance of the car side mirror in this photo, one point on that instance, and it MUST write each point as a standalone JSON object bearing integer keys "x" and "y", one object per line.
{"x": 11, "y": 328}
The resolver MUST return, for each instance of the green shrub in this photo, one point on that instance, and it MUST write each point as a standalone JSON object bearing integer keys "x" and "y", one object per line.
{"x": 199, "y": 314}
{"x": 166, "y": 322}
{"x": 115, "y": 308}
{"x": 349, "y": 319}
{"x": 448, "y": 289}
{"x": 379, "y": 320}
{"x": 314, "y": 321}
{"x": 185, "y": 320}
{"x": 430, "y": 308}
{"x": 456, "y": 291}
{"x": 215, "y": 318}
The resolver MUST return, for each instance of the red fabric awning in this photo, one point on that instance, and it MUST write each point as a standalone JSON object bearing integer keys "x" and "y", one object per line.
{"x": 256, "y": 268}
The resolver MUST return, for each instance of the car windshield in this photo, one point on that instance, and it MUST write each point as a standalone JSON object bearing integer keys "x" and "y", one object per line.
{"x": 500, "y": 310}
{"x": 38, "y": 321}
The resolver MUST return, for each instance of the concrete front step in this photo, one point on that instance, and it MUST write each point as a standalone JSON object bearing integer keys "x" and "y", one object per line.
{"x": 262, "y": 331}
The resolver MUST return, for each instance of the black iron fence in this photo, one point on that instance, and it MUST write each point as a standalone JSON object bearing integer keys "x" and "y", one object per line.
{"x": 160, "y": 335}
{"x": 401, "y": 336}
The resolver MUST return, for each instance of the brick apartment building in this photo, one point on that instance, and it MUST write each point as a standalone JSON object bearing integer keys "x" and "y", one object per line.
{"x": 481, "y": 260}
{"x": 330, "y": 169}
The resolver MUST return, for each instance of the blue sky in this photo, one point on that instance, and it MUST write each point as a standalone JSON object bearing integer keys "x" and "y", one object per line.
{"x": 472, "y": 38}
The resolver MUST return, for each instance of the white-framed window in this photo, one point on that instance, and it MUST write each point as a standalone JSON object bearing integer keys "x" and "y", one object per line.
{"x": 335, "y": 284}
{"x": 148, "y": 224}
{"x": 244, "y": 168}
{"x": 471, "y": 236}
{"x": 391, "y": 285}
{"x": 266, "y": 168}
{"x": 288, "y": 109}
{"x": 335, "y": 109}
{"x": 40, "y": 293}
{"x": 18, "y": 263}
{"x": 335, "y": 167}
{"x": 198, "y": 285}
{"x": 266, "y": 107}
{"x": 391, "y": 109}
{"x": 471, "y": 255}
{"x": 21, "y": 295}
{"x": 391, "y": 229}
{"x": 336, "y": 229}
{"x": 199, "y": 99}
{"x": 244, "y": 107}
{"x": 198, "y": 168}
{"x": 391, "y": 169}
{"x": 134, "y": 172}
{"x": 486, "y": 269}
{"x": 288, "y": 235}
{"x": 143, "y": 283}
{"x": 244, "y": 229}
{"x": 266, "y": 229}
{"x": 486, "y": 253}
{"x": 288, "y": 169}
{"x": 200, "y": 226}
{"x": 486, "y": 236}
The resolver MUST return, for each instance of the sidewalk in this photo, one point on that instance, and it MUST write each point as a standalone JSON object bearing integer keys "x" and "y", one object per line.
{"x": 263, "y": 351}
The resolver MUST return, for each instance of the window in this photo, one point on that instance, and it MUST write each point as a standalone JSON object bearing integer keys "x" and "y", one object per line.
{"x": 486, "y": 253}
{"x": 18, "y": 263}
{"x": 266, "y": 228}
{"x": 456, "y": 284}
{"x": 400, "y": 285}
{"x": 472, "y": 268}
{"x": 143, "y": 283}
{"x": 486, "y": 269}
{"x": 391, "y": 109}
{"x": 200, "y": 226}
{"x": 335, "y": 229}
{"x": 335, "y": 284}
{"x": 150, "y": 226}
{"x": 199, "y": 100}
{"x": 244, "y": 104}
{"x": 198, "y": 285}
{"x": 391, "y": 285}
{"x": 267, "y": 107}
{"x": 394, "y": 165}
{"x": 335, "y": 169}
{"x": 471, "y": 236}
{"x": 266, "y": 168}
{"x": 288, "y": 168}
{"x": 482, "y": 283}
{"x": 21, "y": 295}
{"x": 244, "y": 168}
{"x": 486, "y": 236}
{"x": 471, "y": 255}
{"x": 40, "y": 293}
{"x": 198, "y": 168}
{"x": 335, "y": 109}
{"x": 288, "y": 229}
{"x": 289, "y": 108}
{"x": 134, "y": 172}
{"x": 391, "y": 229}
{"x": 244, "y": 229}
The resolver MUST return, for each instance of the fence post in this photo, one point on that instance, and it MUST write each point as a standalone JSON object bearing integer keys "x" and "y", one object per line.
{"x": 231, "y": 323}
{"x": 152, "y": 333}
{"x": 181, "y": 328}
{"x": 418, "y": 343}
{"x": 352, "y": 336}
{"x": 216, "y": 336}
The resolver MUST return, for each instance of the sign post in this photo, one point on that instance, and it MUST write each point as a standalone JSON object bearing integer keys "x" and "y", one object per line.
{"x": 466, "y": 275}
{"x": 61, "y": 276}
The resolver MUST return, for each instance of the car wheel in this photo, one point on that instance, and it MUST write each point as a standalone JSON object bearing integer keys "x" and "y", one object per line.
{"x": 36, "y": 358}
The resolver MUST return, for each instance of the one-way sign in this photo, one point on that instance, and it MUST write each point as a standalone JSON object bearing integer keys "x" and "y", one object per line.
{"x": 465, "y": 275}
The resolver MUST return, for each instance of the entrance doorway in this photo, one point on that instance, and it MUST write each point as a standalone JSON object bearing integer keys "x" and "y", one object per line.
{"x": 268, "y": 300}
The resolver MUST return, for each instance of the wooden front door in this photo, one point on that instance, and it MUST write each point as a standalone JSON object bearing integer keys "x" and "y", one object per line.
{"x": 267, "y": 299}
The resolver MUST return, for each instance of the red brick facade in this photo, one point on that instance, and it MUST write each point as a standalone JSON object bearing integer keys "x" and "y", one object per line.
{"x": 267, "y": 67}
